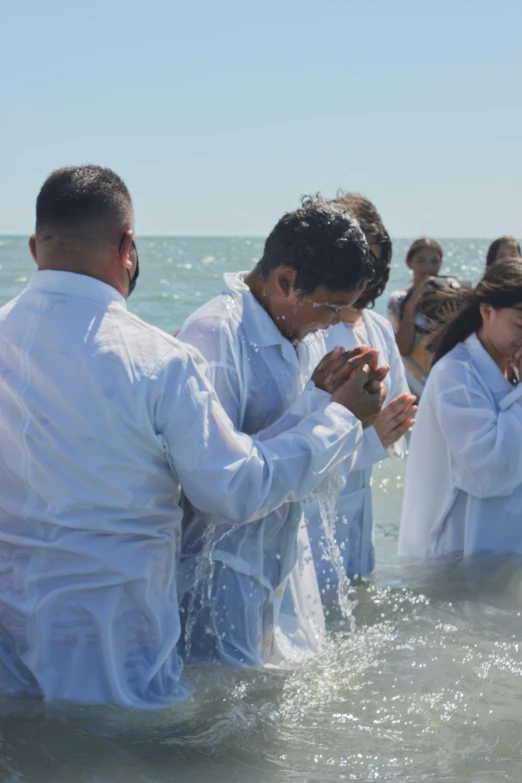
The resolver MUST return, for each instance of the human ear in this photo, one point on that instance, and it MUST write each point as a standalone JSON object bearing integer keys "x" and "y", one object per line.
{"x": 485, "y": 312}
{"x": 125, "y": 249}
{"x": 285, "y": 280}
{"x": 32, "y": 247}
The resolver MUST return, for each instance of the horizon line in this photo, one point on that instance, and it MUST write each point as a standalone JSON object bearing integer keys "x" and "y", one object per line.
{"x": 8, "y": 235}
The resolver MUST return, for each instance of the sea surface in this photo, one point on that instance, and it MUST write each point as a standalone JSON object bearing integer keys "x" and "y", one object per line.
{"x": 428, "y": 687}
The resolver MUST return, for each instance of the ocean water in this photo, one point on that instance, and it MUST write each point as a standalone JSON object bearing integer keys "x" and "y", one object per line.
{"x": 428, "y": 687}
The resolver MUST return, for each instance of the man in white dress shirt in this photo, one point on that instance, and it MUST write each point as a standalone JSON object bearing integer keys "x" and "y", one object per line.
{"x": 263, "y": 341}
{"x": 103, "y": 419}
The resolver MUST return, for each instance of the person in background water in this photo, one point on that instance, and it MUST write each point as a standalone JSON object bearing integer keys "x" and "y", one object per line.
{"x": 412, "y": 328}
{"x": 103, "y": 419}
{"x": 262, "y": 340}
{"x": 503, "y": 249}
{"x": 360, "y": 325}
{"x": 463, "y": 491}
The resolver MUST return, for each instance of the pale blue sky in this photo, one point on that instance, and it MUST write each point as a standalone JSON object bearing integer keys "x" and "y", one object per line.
{"x": 220, "y": 114}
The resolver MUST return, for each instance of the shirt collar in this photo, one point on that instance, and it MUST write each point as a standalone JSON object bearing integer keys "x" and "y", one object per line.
{"x": 487, "y": 366}
{"x": 57, "y": 282}
{"x": 262, "y": 329}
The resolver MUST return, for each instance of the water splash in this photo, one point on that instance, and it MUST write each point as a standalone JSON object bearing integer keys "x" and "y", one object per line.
{"x": 326, "y": 496}
{"x": 201, "y": 594}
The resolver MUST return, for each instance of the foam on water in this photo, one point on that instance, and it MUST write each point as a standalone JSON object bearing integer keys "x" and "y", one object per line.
{"x": 426, "y": 688}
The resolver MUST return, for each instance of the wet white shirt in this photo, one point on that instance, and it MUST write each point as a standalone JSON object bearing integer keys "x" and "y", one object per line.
{"x": 102, "y": 417}
{"x": 354, "y": 524}
{"x": 259, "y": 377}
{"x": 463, "y": 491}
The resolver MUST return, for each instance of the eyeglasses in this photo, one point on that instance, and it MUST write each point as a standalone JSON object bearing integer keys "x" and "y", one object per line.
{"x": 335, "y": 309}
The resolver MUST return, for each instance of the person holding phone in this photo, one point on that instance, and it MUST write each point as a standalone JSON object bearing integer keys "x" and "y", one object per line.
{"x": 463, "y": 491}
{"x": 412, "y": 327}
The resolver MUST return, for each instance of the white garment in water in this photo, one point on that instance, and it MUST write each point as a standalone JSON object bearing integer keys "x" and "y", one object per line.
{"x": 463, "y": 492}
{"x": 101, "y": 418}
{"x": 259, "y": 378}
{"x": 354, "y": 524}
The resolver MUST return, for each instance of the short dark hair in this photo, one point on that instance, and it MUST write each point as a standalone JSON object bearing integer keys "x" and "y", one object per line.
{"x": 78, "y": 195}
{"x": 375, "y": 232}
{"x": 324, "y": 243}
{"x": 495, "y": 247}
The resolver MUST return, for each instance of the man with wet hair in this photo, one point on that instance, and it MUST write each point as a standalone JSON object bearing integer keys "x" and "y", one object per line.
{"x": 262, "y": 340}
{"x": 103, "y": 419}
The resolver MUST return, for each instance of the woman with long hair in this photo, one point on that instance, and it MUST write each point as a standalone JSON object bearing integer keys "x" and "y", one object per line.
{"x": 463, "y": 492}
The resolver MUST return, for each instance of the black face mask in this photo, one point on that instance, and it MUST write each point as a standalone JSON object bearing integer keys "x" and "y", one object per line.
{"x": 132, "y": 280}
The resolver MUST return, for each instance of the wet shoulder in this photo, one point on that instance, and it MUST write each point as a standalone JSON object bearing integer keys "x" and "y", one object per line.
{"x": 215, "y": 328}
{"x": 226, "y": 306}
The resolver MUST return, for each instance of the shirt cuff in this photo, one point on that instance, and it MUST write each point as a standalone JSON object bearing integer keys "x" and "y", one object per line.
{"x": 376, "y": 445}
{"x": 398, "y": 449}
{"x": 345, "y": 417}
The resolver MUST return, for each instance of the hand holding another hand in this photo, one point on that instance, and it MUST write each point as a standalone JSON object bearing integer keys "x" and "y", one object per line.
{"x": 363, "y": 393}
{"x": 338, "y": 366}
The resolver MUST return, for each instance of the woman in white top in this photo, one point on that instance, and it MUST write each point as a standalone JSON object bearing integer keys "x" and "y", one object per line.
{"x": 359, "y": 325}
{"x": 463, "y": 493}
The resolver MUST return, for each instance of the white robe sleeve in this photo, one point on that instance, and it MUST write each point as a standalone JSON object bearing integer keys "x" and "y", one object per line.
{"x": 212, "y": 338}
{"x": 398, "y": 385}
{"x": 372, "y": 449}
{"x": 308, "y": 401}
{"x": 484, "y": 443}
{"x": 225, "y": 471}
{"x": 397, "y": 374}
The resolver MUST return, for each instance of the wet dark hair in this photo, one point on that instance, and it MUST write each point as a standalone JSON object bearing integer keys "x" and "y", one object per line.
{"x": 420, "y": 244}
{"x": 500, "y": 287}
{"x": 79, "y": 195}
{"x": 373, "y": 228}
{"x": 324, "y": 243}
{"x": 495, "y": 247}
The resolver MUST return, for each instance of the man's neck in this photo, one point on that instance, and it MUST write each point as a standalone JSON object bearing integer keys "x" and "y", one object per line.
{"x": 259, "y": 288}
{"x": 80, "y": 264}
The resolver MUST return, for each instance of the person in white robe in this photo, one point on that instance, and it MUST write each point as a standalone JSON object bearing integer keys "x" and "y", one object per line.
{"x": 352, "y": 518}
{"x": 103, "y": 420}
{"x": 463, "y": 490}
{"x": 261, "y": 340}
